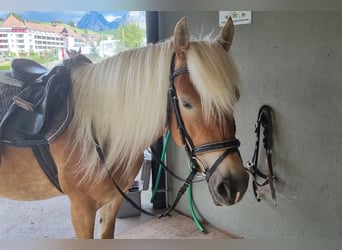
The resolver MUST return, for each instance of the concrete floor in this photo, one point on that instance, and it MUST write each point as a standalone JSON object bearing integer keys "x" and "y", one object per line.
{"x": 176, "y": 226}
{"x": 50, "y": 219}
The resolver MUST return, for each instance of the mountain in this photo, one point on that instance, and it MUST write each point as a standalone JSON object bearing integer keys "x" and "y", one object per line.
{"x": 96, "y": 21}
{"x": 92, "y": 20}
{"x": 48, "y": 16}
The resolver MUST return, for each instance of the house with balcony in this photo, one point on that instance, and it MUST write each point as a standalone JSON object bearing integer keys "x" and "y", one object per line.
{"x": 22, "y": 37}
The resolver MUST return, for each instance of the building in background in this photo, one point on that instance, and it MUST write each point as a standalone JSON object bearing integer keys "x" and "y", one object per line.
{"x": 22, "y": 37}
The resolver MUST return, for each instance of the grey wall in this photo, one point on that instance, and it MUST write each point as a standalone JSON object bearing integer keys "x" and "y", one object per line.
{"x": 291, "y": 61}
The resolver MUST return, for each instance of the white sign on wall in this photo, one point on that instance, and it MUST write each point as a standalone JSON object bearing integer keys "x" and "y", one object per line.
{"x": 239, "y": 17}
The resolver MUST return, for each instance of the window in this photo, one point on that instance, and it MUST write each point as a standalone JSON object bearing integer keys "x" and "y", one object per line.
{"x": 75, "y": 32}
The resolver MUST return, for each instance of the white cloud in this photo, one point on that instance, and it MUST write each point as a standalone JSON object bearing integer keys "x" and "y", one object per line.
{"x": 134, "y": 13}
{"x": 111, "y": 18}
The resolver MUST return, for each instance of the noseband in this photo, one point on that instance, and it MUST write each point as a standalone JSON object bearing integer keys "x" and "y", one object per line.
{"x": 230, "y": 146}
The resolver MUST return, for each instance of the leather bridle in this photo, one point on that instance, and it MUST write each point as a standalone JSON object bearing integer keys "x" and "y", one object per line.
{"x": 230, "y": 145}
{"x": 264, "y": 121}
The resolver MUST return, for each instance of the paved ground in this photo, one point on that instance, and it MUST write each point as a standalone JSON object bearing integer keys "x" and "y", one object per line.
{"x": 47, "y": 219}
{"x": 176, "y": 226}
{"x": 50, "y": 219}
{"x": 35, "y": 219}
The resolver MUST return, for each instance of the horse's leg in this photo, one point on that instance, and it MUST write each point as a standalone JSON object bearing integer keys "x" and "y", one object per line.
{"x": 83, "y": 206}
{"x": 109, "y": 211}
{"x": 107, "y": 219}
{"x": 85, "y": 199}
{"x": 83, "y": 218}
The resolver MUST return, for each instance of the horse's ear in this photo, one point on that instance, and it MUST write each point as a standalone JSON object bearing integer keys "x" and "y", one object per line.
{"x": 181, "y": 38}
{"x": 225, "y": 37}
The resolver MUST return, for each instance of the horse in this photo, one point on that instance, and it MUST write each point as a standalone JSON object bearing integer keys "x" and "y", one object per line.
{"x": 121, "y": 106}
{"x": 71, "y": 53}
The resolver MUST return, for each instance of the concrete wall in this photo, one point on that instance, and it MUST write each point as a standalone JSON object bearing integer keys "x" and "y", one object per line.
{"x": 291, "y": 61}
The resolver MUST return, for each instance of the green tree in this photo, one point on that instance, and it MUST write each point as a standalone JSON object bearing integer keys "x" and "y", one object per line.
{"x": 72, "y": 24}
{"x": 130, "y": 36}
{"x": 58, "y": 21}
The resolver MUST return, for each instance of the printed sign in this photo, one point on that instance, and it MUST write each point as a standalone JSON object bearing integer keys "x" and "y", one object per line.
{"x": 239, "y": 17}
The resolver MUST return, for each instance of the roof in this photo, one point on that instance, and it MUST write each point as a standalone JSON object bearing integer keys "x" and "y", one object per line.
{"x": 13, "y": 22}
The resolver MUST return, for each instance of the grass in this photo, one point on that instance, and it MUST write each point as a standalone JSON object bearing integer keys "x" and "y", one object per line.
{"x": 5, "y": 67}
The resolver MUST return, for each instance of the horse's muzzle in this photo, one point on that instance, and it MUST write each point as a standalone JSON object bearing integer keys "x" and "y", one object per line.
{"x": 228, "y": 190}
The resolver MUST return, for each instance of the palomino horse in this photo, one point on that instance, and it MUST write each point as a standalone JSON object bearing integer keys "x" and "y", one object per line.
{"x": 122, "y": 102}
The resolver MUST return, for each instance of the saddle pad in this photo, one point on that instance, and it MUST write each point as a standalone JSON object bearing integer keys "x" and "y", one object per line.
{"x": 6, "y": 78}
{"x": 7, "y": 92}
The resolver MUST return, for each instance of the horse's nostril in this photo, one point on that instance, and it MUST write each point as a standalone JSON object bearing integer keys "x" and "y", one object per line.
{"x": 226, "y": 190}
{"x": 223, "y": 190}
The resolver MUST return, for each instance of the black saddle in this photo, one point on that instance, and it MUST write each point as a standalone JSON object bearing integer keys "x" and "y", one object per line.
{"x": 42, "y": 109}
{"x": 27, "y": 70}
{"x": 39, "y": 111}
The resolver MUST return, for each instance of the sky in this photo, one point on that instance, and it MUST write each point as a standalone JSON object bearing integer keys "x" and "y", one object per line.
{"x": 66, "y": 16}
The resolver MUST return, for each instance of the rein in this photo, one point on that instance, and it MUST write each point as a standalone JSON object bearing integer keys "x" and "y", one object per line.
{"x": 264, "y": 120}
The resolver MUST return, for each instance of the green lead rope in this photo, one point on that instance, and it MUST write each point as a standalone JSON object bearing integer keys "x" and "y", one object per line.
{"x": 162, "y": 158}
{"x": 192, "y": 210}
{"x": 190, "y": 198}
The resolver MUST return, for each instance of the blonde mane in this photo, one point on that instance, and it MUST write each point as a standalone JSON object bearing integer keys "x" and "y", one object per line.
{"x": 215, "y": 77}
{"x": 122, "y": 100}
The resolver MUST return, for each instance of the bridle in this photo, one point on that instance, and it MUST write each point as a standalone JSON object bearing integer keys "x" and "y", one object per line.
{"x": 264, "y": 121}
{"x": 230, "y": 145}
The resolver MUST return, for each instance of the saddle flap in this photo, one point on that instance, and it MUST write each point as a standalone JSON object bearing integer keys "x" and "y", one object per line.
{"x": 27, "y": 122}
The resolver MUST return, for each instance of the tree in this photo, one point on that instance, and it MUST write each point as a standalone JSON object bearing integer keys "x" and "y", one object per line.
{"x": 130, "y": 35}
{"x": 72, "y": 24}
{"x": 58, "y": 21}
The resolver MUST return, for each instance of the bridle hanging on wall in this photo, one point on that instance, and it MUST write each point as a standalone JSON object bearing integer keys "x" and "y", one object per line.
{"x": 265, "y": 121}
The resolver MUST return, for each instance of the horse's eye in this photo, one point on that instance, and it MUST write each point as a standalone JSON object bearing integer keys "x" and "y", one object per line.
{"x": 187, "y": 105}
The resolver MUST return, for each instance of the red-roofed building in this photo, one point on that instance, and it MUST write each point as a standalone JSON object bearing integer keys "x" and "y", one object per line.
{"x": 23, "y": 36}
